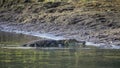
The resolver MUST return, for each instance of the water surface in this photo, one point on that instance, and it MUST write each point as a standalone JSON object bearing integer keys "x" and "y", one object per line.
{"x": 53, "y": 58}
{"x": 13, "y": 58}
{"x": 8, "y": 39}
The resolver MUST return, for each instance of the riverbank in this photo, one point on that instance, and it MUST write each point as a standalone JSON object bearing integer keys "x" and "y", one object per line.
{"x": 40, "y": 37}
{"x": 87, "y": 22}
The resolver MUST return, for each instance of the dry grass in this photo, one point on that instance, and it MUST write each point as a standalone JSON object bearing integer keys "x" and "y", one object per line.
{"x": 29, "y": 12}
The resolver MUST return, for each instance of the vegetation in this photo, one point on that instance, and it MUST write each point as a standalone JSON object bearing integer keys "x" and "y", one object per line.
{"x": 34, "y": 11}
{"x": 93, "y": 14}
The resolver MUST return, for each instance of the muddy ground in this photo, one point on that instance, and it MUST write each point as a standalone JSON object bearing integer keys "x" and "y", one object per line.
{"x": 93, "y": 21}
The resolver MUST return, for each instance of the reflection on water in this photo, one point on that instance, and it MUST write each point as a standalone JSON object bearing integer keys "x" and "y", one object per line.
{"x": 15, "y": 39}
{"x": 59, "y": 58}
{"x": 82, "y": 58}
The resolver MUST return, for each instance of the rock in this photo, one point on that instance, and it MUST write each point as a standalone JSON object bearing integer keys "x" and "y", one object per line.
{"x": 54, "y": 43}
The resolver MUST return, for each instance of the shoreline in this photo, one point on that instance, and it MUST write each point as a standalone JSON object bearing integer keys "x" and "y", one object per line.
{"x": 52, "y": 36}
{"x": 52, "y": 48}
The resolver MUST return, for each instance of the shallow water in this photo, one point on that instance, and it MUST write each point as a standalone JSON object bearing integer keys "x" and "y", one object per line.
{"x": 13, "y": 58}
{"x": 7, "y": 38}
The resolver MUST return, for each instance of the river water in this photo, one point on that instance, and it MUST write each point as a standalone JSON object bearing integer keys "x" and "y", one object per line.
{"x": 13, "y": 58}
{"x": 53, "y": 58}
{"x": 8, "y": 39}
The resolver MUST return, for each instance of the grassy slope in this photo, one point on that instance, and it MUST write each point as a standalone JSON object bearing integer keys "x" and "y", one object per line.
{"x": 100, "y": 15}
{"x": 26, "y": 11}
